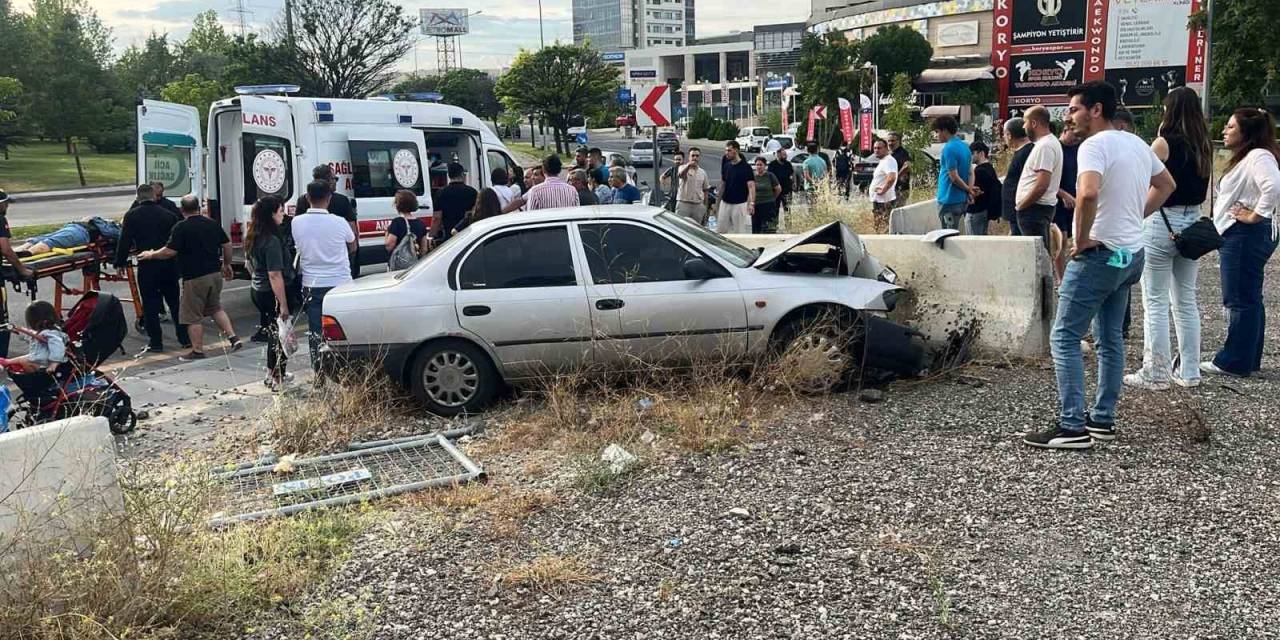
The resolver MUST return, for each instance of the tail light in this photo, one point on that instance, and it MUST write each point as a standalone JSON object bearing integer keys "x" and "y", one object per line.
{"x": 237, "y": 232}
{"x": 330, "y": 330}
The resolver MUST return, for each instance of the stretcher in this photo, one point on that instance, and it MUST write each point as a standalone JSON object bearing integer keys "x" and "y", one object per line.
{"x": 93, "y": 261}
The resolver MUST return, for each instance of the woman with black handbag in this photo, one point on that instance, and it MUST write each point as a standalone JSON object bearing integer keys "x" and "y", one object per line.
{"x": 1184, "y": 147}
{"x": 1247, "y": 198}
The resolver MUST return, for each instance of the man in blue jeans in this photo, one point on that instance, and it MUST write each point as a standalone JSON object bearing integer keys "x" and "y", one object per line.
{"x": 1120, "y": 181}
{"x": 325, "y": 243}
{"x": 955, "y": 174}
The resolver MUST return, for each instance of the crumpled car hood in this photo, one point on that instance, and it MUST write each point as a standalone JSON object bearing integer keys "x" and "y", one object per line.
{"x": 860, "y": 263}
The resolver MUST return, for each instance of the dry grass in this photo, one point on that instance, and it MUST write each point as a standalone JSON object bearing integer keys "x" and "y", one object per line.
{"x": 712, "y": 405}
{"x": 497, "y": 509}
{"x": 826, "y": 205}
{"x": 551, "y": 575}
{"x": 157, "y": 572}
{"x": 361, "y": 402}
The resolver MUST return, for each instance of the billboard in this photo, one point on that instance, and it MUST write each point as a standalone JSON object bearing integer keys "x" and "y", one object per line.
{"x": 443, "y": 22}
{"x": 1041, "y": 48}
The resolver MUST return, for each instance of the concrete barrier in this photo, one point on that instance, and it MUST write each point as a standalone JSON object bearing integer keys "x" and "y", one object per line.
{"x": 914, "y": 219}
{"x": 54, "y": 477}
{"x": 1003, "y": 283}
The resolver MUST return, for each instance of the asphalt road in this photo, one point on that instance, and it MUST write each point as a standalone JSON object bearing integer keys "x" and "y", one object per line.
{"x": 27, "y": 213}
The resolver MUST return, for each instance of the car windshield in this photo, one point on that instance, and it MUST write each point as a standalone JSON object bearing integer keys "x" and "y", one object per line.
{"x": 642, "y": 145}
{"x": 760, "y": 132}
{"x": 667, "y": 134}
{"x": 736, "y": 254}
{"x": 461, "y": 236}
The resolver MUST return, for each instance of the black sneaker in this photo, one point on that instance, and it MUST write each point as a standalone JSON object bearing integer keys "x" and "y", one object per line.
{"x": 260, "y": 335}
{"x": 1101, "y": 431}
{"x": 191, "y": 356}
{"x": 236, "y": 344}
{"x": 1059, "y": 438}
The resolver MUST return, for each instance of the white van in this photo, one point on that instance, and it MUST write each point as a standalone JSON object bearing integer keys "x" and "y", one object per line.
{"x": 753, "y": 139}
{"x": 268, "y": 145}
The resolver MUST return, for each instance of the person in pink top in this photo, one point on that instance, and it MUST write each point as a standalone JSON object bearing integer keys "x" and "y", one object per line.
{"x": 553, "y": 192}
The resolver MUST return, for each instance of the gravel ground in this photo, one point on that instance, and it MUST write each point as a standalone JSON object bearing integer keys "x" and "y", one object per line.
{"x": 922, "y": 516}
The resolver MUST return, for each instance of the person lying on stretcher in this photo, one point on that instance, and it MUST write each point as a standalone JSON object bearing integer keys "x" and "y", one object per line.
{"x": 72, "y": 234}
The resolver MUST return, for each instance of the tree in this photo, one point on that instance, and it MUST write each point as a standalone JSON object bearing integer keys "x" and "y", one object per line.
{"x": 827, "y": 72}
{"x": 1246, "y": 60}
{"x": 10, "y": 95}
{"x": 65, "y": 77}
{"x": 897, "y": 49}
{"x": 417, "y": 83}
{"x": 349, "y": 48}
{"x": 557, "y": 83}
{"x": 472, "y": 90}
{"x": 898, "y": 118}
{"x": 195, "y": 90}
{"x": 206, "y": 48}
{"x": 251, "y": 60}
{"x": 145, "y": 70}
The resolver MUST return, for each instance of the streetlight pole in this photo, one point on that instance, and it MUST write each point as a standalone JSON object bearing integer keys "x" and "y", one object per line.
{"x": 875, "y": 91}
{"x": 1208, "y": 60}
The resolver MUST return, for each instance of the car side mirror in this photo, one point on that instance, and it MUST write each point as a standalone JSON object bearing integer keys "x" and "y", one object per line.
{"x": 698, "y": 269}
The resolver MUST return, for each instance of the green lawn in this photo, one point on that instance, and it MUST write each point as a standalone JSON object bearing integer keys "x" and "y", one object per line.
{"x": 35, "y": 230}
{"x": 41, "y": 166}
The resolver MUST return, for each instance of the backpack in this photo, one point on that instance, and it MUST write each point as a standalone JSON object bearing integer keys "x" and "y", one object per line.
{"x": 405, "y": 254}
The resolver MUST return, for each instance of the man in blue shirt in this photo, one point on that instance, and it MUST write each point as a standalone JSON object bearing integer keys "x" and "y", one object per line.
{"x": 955, "y": 174}
{"x": 623, "y": 192}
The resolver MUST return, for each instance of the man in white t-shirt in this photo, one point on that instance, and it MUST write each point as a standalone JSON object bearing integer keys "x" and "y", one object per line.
{"x": 1120, "y": 181}
{"x": 883, "y": 180}
{"x": 1037, "y": 195}
{"x": 325, "y": 244}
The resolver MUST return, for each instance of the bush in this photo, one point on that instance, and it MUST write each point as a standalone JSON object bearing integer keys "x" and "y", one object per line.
{"x": 730, "y": 130}
{"x": 113, "y": 142}
{"x": 700, "y": 125}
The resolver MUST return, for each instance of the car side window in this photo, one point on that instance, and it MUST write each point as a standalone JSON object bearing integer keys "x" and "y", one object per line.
{"x": 624, "y": 253}
{"x": 520, "y": 259}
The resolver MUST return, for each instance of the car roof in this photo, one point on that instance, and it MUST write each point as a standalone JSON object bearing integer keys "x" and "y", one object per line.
{"x": 639, "y": 213}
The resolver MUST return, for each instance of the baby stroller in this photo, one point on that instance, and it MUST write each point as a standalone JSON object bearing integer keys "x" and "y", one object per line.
{"x": 97, "y": 327}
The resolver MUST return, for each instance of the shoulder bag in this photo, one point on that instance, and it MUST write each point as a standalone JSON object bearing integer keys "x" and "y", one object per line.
{"x": 1196, "y": 240}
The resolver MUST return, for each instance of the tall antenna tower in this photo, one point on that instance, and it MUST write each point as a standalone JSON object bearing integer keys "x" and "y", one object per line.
{"x": 240, "y": 12}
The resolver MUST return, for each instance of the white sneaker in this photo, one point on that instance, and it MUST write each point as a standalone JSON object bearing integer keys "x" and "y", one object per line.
{"x": 1185, "y": 383}
{"x": 1209, "y": 367}
{"x": 1140, "y": 381}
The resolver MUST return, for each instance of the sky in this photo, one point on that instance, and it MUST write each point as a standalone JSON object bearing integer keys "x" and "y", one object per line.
{"x": 502, "y": 28}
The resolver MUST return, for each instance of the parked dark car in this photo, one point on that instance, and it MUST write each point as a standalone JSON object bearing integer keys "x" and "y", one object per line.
{"x": 863, "y": 168}
{"x": 668, "y": 142}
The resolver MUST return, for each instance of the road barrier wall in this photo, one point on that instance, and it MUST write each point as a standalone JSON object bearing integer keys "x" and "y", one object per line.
{"x": 915, "y": 219}
{"x": 55, "y": 477}
{"x": 1001, "y": 284}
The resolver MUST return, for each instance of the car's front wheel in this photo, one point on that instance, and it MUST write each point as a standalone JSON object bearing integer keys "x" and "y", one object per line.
{"x": 816, "y": 352}
{"x": 452, "y": 377}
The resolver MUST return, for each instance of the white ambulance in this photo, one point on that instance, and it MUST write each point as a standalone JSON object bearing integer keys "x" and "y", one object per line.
{"x": 261, "y": 145}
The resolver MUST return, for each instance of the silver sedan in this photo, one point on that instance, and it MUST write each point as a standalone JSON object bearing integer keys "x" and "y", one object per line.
{"x": 517, "y": 297}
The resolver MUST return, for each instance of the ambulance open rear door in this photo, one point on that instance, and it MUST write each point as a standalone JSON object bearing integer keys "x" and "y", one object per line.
{"x": 169, "y": 148}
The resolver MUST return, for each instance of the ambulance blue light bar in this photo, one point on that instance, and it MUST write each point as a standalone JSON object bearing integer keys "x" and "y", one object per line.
{"x": 418, "y": 96}
{"x": 267, "y": 89}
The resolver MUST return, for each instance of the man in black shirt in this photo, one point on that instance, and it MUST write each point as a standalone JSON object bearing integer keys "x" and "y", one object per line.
{"x": 737, "y": 184}
{"x": 157, "y": 197}
{"x": 339, "y": 205}
{"x": 1065, "y": 215}
{"x": 986, "y": 205}
{"x": 781, "y": 169}
{"x": 147, "y": 226}
{"x": 1015, "y": 136}
{"x": 20, "y": 270}
{"x": 452, "y": 203}
{"x": 204, "y": 260}
{"x": 903, "y": 158}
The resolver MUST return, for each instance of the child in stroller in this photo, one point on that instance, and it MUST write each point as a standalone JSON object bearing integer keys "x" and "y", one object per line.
{"x": 55, "y": 390}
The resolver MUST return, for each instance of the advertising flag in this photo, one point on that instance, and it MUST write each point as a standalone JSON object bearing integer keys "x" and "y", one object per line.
{"x": 846, "y": 119}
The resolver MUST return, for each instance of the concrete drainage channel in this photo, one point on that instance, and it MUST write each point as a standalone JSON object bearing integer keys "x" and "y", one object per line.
{"x": 271, "y": 486}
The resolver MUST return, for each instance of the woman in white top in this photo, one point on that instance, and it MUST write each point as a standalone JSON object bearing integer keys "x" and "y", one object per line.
{"x": 1247, "y": 197}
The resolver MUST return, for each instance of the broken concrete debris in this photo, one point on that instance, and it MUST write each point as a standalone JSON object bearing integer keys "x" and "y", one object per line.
{"x": 617, "y": 458}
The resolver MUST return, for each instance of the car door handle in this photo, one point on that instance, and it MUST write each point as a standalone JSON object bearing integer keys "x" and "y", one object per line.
{"x": 609, "y": 304}
{"x": 476, "y": 310}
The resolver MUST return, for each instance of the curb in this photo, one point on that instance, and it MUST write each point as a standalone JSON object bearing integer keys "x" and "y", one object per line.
{"x": 74, "y": 194}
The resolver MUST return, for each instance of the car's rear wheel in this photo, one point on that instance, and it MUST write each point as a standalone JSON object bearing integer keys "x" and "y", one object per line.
{"x": 452, "y": 377}
{"x": 816, "y": 352}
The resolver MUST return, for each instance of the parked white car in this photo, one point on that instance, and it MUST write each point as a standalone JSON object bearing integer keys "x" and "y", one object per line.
{"x": 753, "y": 139}
{"x": 642, "y": 153}
{"x": 512, "y": 298}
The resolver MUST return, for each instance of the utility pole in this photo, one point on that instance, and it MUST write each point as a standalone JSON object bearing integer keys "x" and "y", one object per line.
{"x": 1208, "y": 60}
{"x": 288, "y": 22}
{"x": 542, "y": 38}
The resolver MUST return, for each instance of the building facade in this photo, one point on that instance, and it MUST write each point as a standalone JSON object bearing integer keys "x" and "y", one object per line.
{"x": 618, "y": 25}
